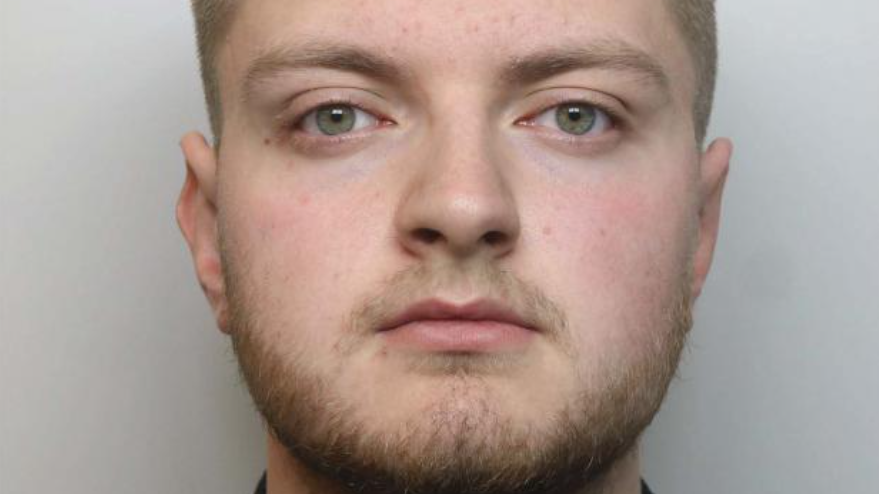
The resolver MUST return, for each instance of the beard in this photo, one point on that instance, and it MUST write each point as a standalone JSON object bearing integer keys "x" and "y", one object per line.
{"x": 466, "y": 442}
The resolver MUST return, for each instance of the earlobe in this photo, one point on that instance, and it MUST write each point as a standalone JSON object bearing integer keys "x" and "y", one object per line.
{"x": 197, "y": 218}
{"x": 714, "y": 168}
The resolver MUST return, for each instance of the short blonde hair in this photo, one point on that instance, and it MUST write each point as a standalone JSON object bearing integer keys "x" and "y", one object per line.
{"x": 695, "y": 18}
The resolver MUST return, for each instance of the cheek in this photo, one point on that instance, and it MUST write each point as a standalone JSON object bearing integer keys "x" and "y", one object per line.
{"x": 281, "y": 231}
{"x": 299, "y": 255}
{"x": 620, "y": 256}
{"x": 619, "y": 232}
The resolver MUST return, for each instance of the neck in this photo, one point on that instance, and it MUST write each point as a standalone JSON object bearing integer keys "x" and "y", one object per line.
{"x": 286, "y": 475}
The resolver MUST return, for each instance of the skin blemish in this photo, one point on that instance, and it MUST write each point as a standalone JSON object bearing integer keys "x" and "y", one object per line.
{"x": 267, "y": 141}
{"x": 304, "y": 200}
{"x": 547, "y": 231}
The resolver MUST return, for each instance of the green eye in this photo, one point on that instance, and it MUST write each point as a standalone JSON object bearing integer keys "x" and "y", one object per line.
{"x": 576, "y": 118}
{"x": 335, "y": 119}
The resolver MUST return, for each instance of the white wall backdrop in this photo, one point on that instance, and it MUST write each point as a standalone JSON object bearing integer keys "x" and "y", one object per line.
{"x": 115, "y": 380}
{"x": 780, "y": 391}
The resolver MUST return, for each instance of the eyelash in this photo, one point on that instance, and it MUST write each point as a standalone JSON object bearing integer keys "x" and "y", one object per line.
{"x": 294, "y": 123}
{"x": 617, "y": 121}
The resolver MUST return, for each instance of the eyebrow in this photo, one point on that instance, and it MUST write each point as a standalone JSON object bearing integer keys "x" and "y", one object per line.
{"x": 615, "y": 55}
{"x": 327, "y": 56}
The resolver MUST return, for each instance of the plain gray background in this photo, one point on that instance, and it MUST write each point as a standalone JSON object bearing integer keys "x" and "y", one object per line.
{"x": 115, "y": 380}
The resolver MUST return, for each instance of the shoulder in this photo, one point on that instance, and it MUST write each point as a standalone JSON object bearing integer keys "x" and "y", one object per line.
{"x": 261, "y": 487}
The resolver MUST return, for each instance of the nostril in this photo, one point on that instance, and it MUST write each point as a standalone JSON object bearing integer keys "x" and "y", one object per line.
{"x": 426, "y": 235}
{"x": 494, "y": 237}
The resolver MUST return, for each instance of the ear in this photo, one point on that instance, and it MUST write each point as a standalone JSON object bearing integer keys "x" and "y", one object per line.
{"x": 197, "y": 218}
{"x": 714, "y": 167}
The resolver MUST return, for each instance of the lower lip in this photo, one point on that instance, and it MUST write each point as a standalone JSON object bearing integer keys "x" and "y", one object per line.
{"x": 460, "y": 336}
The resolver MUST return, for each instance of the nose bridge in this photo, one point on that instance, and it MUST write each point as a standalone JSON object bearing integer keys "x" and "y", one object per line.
{"x": 459, "y": 201}
{"x": 463, "y": 160}
{"x": 460, "y": 131}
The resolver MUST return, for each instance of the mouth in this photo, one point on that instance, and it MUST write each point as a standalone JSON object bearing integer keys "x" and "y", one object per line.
{"x": 481, "y": 326}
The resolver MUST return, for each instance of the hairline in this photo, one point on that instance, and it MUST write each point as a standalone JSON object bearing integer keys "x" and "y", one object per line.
{"x": 702, "y": 54}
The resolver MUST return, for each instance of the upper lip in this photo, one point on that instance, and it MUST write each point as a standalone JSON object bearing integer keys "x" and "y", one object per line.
{"x": 439, "y": 310}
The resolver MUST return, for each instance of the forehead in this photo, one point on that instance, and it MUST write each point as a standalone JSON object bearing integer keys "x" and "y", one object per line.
{"x": 454, "y": 35}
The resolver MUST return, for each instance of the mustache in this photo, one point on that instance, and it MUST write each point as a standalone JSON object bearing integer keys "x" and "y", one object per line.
{"x": 459, "y": 283}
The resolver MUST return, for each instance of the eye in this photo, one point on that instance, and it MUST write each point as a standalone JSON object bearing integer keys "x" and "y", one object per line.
{"x": 336, "y": 119}
{"x": 576, "y": 118}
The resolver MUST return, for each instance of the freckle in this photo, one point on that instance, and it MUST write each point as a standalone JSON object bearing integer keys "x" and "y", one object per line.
{"x": 266, "y": 141}
{"x": 602, "y": 232}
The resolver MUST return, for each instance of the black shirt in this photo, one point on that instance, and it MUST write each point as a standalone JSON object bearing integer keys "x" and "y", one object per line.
{"x": 261, "y": 488}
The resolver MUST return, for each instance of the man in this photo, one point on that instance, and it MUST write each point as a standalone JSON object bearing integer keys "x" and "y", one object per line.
{"x": 455, "y": 244}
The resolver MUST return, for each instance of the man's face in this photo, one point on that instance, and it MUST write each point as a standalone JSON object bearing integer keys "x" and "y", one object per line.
{"x": 525, "y": 172}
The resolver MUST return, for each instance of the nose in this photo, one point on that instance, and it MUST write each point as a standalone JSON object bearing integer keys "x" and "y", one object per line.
{"x": 458, "y": 203}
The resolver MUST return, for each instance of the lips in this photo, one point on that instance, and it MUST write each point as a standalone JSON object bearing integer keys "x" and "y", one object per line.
{"x": 484, "y": 310}
{"x": 436, "y": 326}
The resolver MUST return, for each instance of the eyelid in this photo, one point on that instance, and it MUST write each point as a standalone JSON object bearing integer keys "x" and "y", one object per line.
{"x": 363, "y": 119}
{"x": 295, "y": 120}
{"x": 289, "y": 122}
{"x": 607, "y": 104}
{"x": 304, "y": 104}
{"x": 601, "y": 125}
